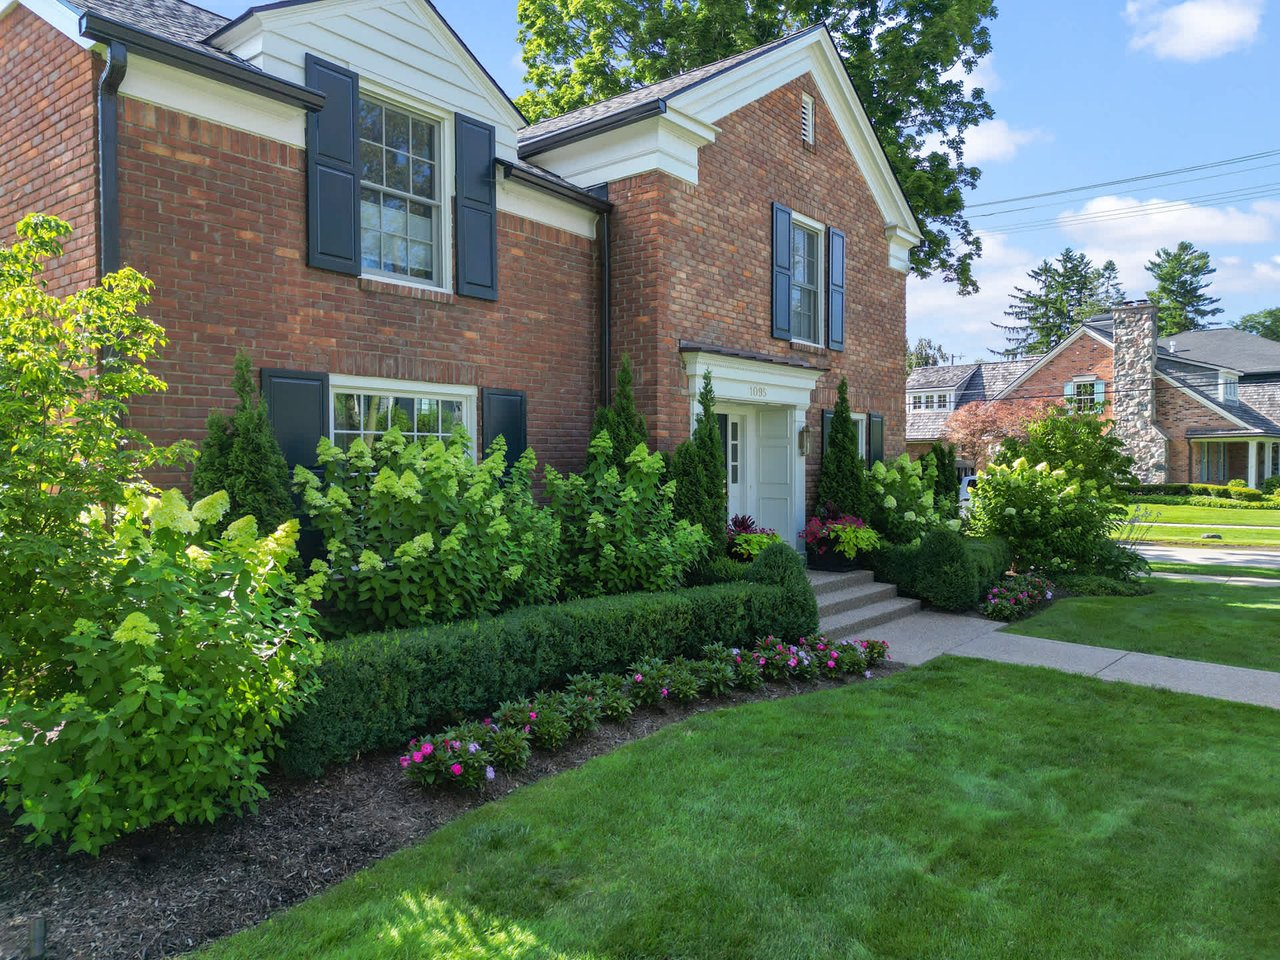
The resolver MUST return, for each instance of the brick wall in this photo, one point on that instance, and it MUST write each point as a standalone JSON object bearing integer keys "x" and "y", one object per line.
{"x": 217, "y": 218}
{"x": 48, "y": 131}
{"x": 1176, "y": 413}
{"x": 1087, "y": 356}
{"x": 693, "y": 263}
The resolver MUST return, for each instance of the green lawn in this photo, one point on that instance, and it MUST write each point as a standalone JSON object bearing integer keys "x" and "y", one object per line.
{"x": 1217, "y": 570}
{"x": 1231, "y": 536}
{"x": 1223, "y": 516}
{"x": 1220, "y": 623}
{"x": 962, "y": 810}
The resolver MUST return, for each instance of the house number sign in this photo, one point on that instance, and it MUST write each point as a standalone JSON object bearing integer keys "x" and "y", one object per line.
{"x": 760, "y": 392}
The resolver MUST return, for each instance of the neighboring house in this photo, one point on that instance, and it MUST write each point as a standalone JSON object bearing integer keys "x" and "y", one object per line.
{"x": 1199, "y": 407}
{"x": 342, "y": 189}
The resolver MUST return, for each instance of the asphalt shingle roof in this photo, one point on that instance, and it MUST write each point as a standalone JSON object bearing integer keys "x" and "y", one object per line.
{"x": 1245, "y": 410}
{"x": 654, "y": 92}
{"x": 926, "y": 424}
{"x": 1226, "y": 347}
{"x": 944, "y": 376}
{"x": 179, "y": 22}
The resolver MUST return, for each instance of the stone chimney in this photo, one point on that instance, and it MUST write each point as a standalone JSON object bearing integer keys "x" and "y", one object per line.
{"x": 1133, "y": 397}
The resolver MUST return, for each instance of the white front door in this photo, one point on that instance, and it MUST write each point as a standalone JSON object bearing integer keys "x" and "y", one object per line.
{"x": 774, "y": 488}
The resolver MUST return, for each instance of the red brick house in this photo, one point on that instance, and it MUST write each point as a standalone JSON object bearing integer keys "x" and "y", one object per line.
{"x": 342, "y": 189}
{"x": 1200, "y": 407}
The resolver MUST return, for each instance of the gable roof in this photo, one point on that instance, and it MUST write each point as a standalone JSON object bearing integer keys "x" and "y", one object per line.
{"x": 947, "y": 376}
{"x": 1225, "y": 347}
{"x": 981, "y": 381}
{"x": 635, "y": 104}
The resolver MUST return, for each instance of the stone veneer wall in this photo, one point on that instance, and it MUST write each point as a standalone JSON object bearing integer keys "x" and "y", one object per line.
{"x": 1133, "y": 404}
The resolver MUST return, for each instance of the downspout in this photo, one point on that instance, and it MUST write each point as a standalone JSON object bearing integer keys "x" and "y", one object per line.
{"x": 606, "y": 308}
{"x": 108, "y": 158}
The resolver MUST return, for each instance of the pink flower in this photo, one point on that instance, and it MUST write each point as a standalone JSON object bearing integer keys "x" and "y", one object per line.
{"x": 526, "y": 728}
{"x": 428, "y": 749}
{"x": 664, "y": 691}
{"x": 404, "y": 762}
{"x": 488, "y": 721}
{"x": 762, "y": 661}
{"x": 456, "y": 769}
{"x": 831, "y": 664}
{"x": 639, "y": 678}
{"x": 791, "y": 662}
{"x": 533, "y": 715}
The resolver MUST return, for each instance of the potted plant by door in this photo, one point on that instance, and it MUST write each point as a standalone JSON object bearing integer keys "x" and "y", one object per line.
{"x": 834, "y": 542}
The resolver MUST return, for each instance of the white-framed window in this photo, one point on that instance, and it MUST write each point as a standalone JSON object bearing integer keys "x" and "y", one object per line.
{"x": 806, "y": 118}
{"x": 366, "y": 407}
{"x": 932, "y": 401}
{"x": 917, "y": 401}
{"x": 402, "y": 212}
{"x": 1084, "y": 394}
{"x": 860, "y": 428}
{"x": 1228, "y": 387}
{"x": 806, "y": 279}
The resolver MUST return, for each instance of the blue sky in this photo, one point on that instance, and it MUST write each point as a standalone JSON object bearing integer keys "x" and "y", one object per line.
{"x": 1085, "y": 92}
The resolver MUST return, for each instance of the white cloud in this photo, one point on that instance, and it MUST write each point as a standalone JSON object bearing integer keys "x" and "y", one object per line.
{"x": 984, "y": 75}
{"x": 994, "y": 141}
{"x": 1194, "y": 29}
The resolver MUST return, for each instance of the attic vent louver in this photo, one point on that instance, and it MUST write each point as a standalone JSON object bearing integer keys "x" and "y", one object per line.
{"x": 806, "y": 118}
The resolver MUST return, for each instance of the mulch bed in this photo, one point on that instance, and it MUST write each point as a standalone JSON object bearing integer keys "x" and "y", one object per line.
{"x": 167, "y": 890}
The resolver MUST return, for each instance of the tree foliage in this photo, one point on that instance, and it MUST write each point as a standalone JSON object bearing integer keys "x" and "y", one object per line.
{"x": 240, "y": 455}
{"x": 977, "y": 429}
{"x": 1182, "y": 277}
{"x": 1263, "y": 323}
{"x": 842, "y": 480}
{"x": 926, "y": 353}
{"x": 621, "y": 420}
{"x": 1063, "y": 293}
{"x": 946, "y": 486}
{"x": 1086, "y": 447}
{"x": 698, "y": 470}
{"x": 904, "y": 57}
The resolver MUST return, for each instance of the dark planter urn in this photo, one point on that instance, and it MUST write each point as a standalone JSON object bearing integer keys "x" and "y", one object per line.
{"x": 828, "y": 560}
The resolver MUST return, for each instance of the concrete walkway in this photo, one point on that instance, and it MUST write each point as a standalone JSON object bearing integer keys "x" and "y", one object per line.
{"x": 919, "y": 638}
{"x": 1209, "y": 578}
{"x": 1231, "y": 556}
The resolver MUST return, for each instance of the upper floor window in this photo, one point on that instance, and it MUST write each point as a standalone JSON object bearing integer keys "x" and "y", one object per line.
{"x": 932, "y": 401}
{"x": 806, "y": 281}
{"x": 1228, "y": 387}
{"x": 400, "y": 209}
{"x": 1084, "y": 395}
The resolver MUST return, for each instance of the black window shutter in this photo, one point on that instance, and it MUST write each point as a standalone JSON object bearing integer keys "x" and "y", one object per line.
{"x": 505, "y": 414}
{"x": 298, "y": 408}
{"x": 333, "y": 177}
{"x": 781, "y": 272}
{"x": 875, "y": 438}
{"x": 477, "y": 209}
{"x": 835, "y": 289}
{"x": 827, "y": 417}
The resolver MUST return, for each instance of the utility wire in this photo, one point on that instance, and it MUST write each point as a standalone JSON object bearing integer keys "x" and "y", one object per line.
{"x": 1138, "y": 179}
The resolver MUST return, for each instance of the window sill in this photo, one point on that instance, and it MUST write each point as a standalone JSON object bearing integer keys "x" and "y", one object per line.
{"x": 411, "y": 290}
{"x": 804, "y": 346}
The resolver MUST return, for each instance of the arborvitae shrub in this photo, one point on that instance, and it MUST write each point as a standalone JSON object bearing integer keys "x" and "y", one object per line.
{"x": 698, "y": 469}
{"x": 842, "y": 486}
{"x": 621, "y": 420}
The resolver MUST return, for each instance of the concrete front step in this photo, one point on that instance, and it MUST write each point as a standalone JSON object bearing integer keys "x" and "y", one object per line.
{"x": 860, "y": 594}
{"x": 824, "y": 582}
{"x": 849, "y": 624}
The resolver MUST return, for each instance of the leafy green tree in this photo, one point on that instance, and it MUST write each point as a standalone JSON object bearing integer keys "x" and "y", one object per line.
{"x": 1263, "y": 323}
{"x": 1063, "y": 293}
{"x": 926, "y": 353}
{"x": 901, "y": 55}
{"x": 842, "y": 478}
{"x": 621, "y": 420}
{"x": 1085, "y": 447}
{"x": 241, "y": 456}
{"x": 68, "y": 367}
{"x": 698, "y": 469}
{"x": 1182, "y": 277}
{"x": 946, "y": 485}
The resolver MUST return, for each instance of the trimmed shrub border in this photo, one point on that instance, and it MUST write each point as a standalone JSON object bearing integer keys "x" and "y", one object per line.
{"x": 379, "y": 689}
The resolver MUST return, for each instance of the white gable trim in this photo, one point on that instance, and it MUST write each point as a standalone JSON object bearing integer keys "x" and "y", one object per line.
{"x": 1205, "y": 401}
{"x": 63, "y": 19}
{"x": 1026, "y": 374}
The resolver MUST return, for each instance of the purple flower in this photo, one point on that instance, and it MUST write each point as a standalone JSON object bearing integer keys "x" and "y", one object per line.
{"x": 488, "y": 773}
{"x": 473, "y": 747}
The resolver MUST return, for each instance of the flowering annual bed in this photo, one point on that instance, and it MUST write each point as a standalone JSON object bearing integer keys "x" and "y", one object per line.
{"x": 846, "y": 535}
{"x": 468, "y": 754}
{"x": 1016, "y": 597}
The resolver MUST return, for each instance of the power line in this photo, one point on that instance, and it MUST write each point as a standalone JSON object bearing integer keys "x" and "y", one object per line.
{"x": 1142, "y": 177}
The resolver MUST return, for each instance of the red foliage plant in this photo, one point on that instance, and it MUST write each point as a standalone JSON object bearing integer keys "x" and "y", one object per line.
{"x": 976, "y": 429}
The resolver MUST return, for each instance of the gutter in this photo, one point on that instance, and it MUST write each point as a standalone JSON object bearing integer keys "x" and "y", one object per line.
{"x": 104, "y": 30}
{"x": 606, "y": 308}
{"x": 588, "y": 128}
{"x": 108, "y": 158}
{"x": 511, "y": 172}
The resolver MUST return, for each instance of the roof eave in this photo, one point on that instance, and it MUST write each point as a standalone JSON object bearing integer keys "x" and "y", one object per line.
{"x": 590, "y": 128}
{"x": 548, "y": 185}
{"x": 102, "y": 29}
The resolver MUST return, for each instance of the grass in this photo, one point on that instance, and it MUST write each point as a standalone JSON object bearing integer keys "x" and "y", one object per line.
{"x": 1225, "y": 516}
{"x": 963, "y": 810}
{"x": 1231, "y": 536}
{"x": 1217, "y": 570}
{"x": 1218, "y": 623}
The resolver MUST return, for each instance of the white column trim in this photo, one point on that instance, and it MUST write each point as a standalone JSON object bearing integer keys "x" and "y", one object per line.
{"x": 1253, "y": 463}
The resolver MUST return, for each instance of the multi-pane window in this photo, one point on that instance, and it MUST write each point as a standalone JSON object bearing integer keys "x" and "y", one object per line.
{"x": 931, "y": 401}
{"x": 1228, "y": 388}
{"x": 806, "y": 278}
{"x": 1084, "y": 396}
{"x": 369, "y": 415}
{"x": 400, "y": 214}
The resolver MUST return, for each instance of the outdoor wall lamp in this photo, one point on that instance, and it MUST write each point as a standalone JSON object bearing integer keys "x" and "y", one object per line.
{"x": 806, "y": 440}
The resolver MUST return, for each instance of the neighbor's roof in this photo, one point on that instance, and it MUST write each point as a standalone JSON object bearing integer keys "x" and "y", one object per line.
{"x": 1226, "y": 347}
{"x": 1256, "y": 408}
{"x": 926, "y": 424}
{"x": 991, "y": 378}
{"x": 628, "y": 105}
{"x": 950, "y": 376}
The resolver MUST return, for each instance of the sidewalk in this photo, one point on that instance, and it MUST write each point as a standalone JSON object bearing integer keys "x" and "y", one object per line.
{"x": 1209, "y": 578}
{"x": 923, "y": 636}
{"x": 1231, "y": 556}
